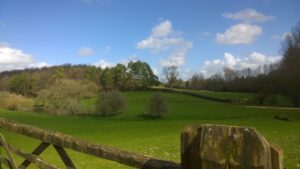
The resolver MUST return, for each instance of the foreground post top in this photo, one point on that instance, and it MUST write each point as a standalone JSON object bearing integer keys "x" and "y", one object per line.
{"x": 220, "y": 147}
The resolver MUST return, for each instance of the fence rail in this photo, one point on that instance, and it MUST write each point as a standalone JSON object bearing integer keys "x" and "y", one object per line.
{"x": 202, "y": 147}
{"x": 61, "y": 141}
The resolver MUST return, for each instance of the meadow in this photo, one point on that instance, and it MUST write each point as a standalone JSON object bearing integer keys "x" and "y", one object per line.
{"x": 158, "y": 138}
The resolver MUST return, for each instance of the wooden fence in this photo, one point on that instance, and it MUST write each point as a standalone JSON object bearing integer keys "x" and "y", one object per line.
{"x": 202, "y": 147}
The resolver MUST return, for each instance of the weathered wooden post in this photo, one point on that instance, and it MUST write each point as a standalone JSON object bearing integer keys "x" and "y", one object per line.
{"x": 276, "y": 157}
{"x": 227, "y": 147}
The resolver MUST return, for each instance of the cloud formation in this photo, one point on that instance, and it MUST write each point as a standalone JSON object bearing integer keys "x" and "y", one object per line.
{"x": 86, "y": 51}
{"x": 242, "y": 33}
{"x": 253, "y": 61}
{"x": 164, "y": 38}
{"x": 12, "y": 59}
{"x": 248, "y": 15}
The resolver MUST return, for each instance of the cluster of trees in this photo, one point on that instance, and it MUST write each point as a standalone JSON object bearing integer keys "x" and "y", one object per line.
{"x": 136, "y": 75}
{"x": 60, "y": 89}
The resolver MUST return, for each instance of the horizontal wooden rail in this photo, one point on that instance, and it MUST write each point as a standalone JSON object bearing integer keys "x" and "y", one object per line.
{"x": 102, "y": 151}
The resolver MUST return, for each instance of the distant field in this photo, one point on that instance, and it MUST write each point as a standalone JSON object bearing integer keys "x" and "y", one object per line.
{"x": 160, "y": 138}
{"x": 238, "y": 97}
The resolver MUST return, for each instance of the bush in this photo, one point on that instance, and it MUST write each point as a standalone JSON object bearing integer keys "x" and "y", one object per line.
{"x": 13, "y": 101}
{"x": 64, "y": 97}
{"x": 110, "y": 103}
{"x": 260, "y": 98}
{"x": 271, "y": 100}
{"x": 158, "y": 106}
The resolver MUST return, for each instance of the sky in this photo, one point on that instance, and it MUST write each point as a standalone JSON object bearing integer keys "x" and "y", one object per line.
{"x": 197, "y": 36}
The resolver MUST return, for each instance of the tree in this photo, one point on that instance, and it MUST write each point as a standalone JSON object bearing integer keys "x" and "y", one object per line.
{"x": 158, "y": 106}
{"x": 21, "y": 84}
{"x": 119, "y": 76}
{"x": 197, "y": 81}
{"x": 92, "y": 74}
{"x": 142, "y": 74}
{"x": 171, "y": 74}
{"x": 110, "y": 103}
{"x": 289, "y": 68}
{"x": 58, "y": 72}
{"x": 229, "y": 74}
{"x": 107, "y": 79}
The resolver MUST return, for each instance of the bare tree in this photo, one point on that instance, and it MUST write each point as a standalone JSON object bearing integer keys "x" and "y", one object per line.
{"x": 171, "y": 74}
{"x": 229, "y": 74}
{"x": 197, "y": 81}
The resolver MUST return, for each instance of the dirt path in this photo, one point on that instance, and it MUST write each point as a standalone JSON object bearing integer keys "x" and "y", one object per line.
{"x": 270, "y": 107}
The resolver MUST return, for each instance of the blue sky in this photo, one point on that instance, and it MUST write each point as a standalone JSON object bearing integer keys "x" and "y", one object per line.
{"x": 197, "y": 36}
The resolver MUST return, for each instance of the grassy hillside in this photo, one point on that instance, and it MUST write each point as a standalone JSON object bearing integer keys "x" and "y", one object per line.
{"x": 159, "y": 138}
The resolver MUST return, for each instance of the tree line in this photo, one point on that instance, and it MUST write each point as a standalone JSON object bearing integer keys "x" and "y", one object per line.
{"x": 279, "y": 78}
{"x": 29, "y": 82}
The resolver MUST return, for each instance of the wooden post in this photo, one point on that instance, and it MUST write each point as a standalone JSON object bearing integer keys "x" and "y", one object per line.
{"x": 37, "y": 151}
{"x": 223, "y": 147}
{"x": 0, "y": 155}
{"x": 276, "y": 157}
{"x": 12, "y": 162}
{"x": 32, "y": 158}
{"x": 64, "y": 156}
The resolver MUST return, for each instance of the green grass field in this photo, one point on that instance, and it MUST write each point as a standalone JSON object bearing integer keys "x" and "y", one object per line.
{"x": 158, "y": 138}
{"x": 241, "y": 98}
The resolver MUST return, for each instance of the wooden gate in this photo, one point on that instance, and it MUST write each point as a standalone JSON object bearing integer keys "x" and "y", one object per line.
{"x": 202, "y": 147}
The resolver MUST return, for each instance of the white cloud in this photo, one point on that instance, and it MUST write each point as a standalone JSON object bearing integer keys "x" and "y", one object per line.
{"x": 178, "y": 55}
{"x": 103, "y": 64}
{"x": 248, "y": 15}
{"x": 241, "y": 33}
{"x": 253, "y": 61}
{"x": 286, "y": 35}
{"x": 12, "y": 59}
{"x": 86, "y": 51}
{"x": 164, "y": 38}
{"x": 132, "y": 58}
{"x": 163, "y": 29}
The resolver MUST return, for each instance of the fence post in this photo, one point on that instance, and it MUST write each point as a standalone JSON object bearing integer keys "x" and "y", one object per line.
{"x": 221, "y": 147}
{"x": 277, "y": 157}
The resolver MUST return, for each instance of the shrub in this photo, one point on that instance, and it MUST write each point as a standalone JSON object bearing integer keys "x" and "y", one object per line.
{"x": 64, "y": 97}
{"x": 260, "y": 98}
{"x": 110, "y": 103}
{"x": 271, "y": 100}
{"x": 13, "y": 101}
{"x": 158, "y": 106}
